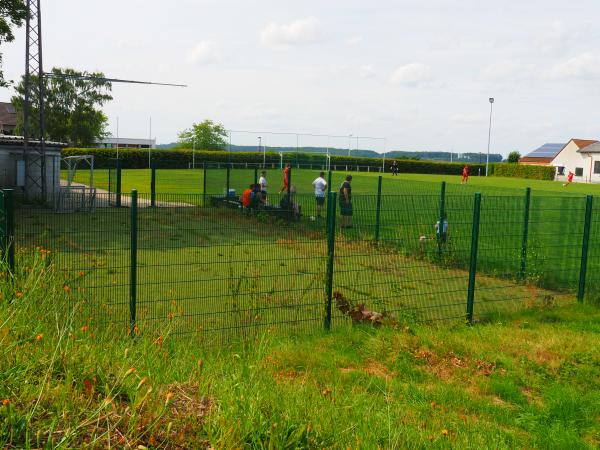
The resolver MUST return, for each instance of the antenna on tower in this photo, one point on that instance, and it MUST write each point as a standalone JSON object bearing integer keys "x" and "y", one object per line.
{"x": 34, "y": 152}
{"x": 34, "y": 149}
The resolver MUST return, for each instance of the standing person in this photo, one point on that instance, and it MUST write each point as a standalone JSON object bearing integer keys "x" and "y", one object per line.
{"x": 395, "y": 168}
{"x": 286, "y": 178}
{"x": 346, "y": 203}
{"x": 320, "y": 186}
{"x": 262, "y": 181}
{"x": 465, "y": 175}
{"x": 569, "y": 179}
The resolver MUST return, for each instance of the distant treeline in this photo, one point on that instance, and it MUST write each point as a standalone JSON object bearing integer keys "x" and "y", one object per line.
{"x": 472, "y": 158}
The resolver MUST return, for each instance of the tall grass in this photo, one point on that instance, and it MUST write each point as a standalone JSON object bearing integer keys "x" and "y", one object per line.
{"x": 529, "y": 380}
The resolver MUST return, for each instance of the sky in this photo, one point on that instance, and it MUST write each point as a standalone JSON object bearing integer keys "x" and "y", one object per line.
{"x": 416, "y": 74}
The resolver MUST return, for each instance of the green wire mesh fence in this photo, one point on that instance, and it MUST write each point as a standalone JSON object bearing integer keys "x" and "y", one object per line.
{"x": 203, "y": 263}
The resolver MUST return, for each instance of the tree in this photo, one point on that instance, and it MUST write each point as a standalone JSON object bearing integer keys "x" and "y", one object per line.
{"x": 206, "y": 135}
{"x": 12, "y": 14}
{"x": 72, "y": 107}
{"x": 514, "y": 157}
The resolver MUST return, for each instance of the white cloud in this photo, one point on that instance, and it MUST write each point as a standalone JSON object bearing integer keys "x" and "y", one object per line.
{"x": 205, "y": 52}
{"x": 367, "y": 71}
{"x": 355, "y": 40}
{"x": 583, "y": 67}
{"x": 412, "y": 75}
{"x": 300, "y": 32}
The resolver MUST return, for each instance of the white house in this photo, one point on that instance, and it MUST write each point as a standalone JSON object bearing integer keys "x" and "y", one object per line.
{"x": 580, "y": 156}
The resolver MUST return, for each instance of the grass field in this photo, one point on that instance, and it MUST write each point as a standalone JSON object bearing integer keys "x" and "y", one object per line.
{"x": 187, "y": 181}
{"x": 524, "y": 380}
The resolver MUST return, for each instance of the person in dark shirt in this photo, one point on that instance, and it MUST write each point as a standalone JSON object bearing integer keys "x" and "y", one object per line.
{"x": 395, "y": 168}
{"x": 346, "y": 203}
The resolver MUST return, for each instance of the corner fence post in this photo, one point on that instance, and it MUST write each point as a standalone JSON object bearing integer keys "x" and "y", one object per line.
{"x": 585, "y": 246}
{"x": 204, "y": 186}
{"x": 153, "y": 186}
{"x": 378, "y": 210}
{"x": 9, "y": 231}
{"x": 523, "y": 268}
{"x": 228, "y": 181}
{"x": 473, "y": 259}
{"x": 118, "y": 198}
{"x": 133, "y": 263}
{"x": 256, "y": 175}
{"x": 441, "y": 232}
{"x": 289, "y": 187}
{"x": 329, "y": 183}
{"x": 331, "y": 212}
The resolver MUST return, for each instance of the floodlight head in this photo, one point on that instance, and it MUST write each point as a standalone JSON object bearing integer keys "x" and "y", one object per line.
{"x": 491, "y": 99}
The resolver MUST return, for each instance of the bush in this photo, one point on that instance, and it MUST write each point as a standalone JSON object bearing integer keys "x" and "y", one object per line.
{"x": 524, "y": 171}
{"x": 182, "y": 158}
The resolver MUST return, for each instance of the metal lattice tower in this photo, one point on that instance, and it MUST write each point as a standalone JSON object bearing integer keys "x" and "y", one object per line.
{"x": 34, "y": 148}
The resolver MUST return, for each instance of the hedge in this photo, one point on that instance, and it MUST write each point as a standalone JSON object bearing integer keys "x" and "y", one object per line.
{"x": 182, "y": 158}
{"x": 513, "y": 170}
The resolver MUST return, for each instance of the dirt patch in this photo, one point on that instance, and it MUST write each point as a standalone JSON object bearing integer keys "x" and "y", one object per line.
{"x": 372, "y": 368}
{"x": 442, "y": 366}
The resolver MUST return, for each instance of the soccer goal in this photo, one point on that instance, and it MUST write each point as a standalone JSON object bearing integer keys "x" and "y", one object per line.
{"x": 77, "y": 195}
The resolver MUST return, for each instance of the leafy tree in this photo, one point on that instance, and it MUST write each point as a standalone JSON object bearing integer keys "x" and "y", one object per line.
{"x": 206, "y": 135}
{"x": 12, "y": 14}
{"x": 514, "y": 157}
{"x": 72, "y": 107}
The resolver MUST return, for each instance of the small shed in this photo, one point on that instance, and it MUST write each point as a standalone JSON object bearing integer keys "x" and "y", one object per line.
{"x": 20, "y": 169}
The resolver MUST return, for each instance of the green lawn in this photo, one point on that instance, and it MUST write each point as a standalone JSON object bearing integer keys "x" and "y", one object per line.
{"x": 187, "y": 181}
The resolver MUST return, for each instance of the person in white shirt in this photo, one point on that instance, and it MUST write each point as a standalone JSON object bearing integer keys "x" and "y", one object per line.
{"x": 262, "y": 181}
{"x": 320, "y": 186}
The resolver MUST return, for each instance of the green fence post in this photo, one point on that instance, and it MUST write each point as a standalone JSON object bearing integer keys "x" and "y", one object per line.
{"x": 378, "y": 210}
{"x": 204, "y": 187}
{"x": 9, "y": 208}
{"x": 289, "y": 189}
{"x": 118, "y": 194}
{"x": 228, "y": 180}
{"x": 473, "y": 260}
{"x": 441, "y": 235}
{"x": 329, "y": 183}
{"x": 133, "y": 263}
{"x": 584, "y": 248}
{"x": 153, "y": 186}
{"x": 256, "y": 175}
{"x": 331, "y": 212}
{"x": 3, "y": 230}
{"x": 523, "y": 269}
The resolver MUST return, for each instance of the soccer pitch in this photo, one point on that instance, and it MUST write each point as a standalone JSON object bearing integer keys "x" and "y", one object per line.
{"x": 191, "y": 181}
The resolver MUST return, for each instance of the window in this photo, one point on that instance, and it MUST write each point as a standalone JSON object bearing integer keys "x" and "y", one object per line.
{"x": 561, "y": 170}
{"x": 578, "y": 171}
{"x": 596, "y": 166}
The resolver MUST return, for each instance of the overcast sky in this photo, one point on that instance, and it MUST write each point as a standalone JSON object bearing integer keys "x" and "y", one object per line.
{"x": 417, "y": 72}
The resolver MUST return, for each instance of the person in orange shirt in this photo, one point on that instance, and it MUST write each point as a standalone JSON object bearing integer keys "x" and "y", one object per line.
{"x": 247, "y": 197}
{"x": 465, "y": 175}
{"x": 286, "y": 178}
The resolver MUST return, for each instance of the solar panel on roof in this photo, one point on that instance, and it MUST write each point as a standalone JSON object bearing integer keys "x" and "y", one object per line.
{"x": 546, "y": 151}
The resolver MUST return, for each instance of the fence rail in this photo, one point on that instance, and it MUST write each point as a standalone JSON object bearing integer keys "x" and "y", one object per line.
{"x": 202, "y": 263}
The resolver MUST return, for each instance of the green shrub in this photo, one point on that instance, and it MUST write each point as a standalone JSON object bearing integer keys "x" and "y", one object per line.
{"x": 523, "y": 171}
{"x": 182, "y": 158}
